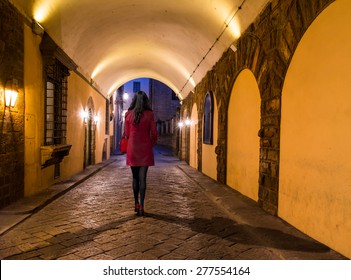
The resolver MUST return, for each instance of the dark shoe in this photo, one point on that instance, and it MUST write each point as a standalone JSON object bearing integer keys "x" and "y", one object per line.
{"x": 136, "y": 209}
{"x": 140, "y": 211}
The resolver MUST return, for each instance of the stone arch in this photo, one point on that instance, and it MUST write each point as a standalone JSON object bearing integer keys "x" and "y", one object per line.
{"x": 266, "y": 48}
{"x": 248, "y": 56}
{"x": 314, "y": 192}
{"x": 243, "y": 144}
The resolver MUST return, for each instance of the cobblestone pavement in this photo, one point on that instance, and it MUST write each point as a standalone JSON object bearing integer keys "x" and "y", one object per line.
{"x": 96, "y": 220}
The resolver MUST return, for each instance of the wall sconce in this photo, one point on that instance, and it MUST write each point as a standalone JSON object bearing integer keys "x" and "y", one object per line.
{"x": 11, "y": 93}
{"x": 85, "y": 116}
{"x": 96, "y": 119}
{"x": 187, "y": 122}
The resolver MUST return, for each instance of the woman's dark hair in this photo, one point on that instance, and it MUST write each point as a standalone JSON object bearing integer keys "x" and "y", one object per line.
{"x": 139, "y": 104}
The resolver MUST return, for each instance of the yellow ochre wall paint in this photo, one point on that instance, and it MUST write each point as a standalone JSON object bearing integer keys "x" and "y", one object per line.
{"x": 315, "y": 159}
{"x": 78, "y": 94}
{"x": 209, "y": 156}
{"x": 34, "y": 119}
{"x": 36, "y": 179}
{"x": 243, "y": 145}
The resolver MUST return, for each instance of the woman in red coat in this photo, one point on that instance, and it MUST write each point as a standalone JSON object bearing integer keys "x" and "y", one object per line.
{"x": 142, "y": 136}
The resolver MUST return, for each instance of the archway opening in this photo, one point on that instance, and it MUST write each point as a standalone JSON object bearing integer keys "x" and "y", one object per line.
{"x": 243, "y": 144}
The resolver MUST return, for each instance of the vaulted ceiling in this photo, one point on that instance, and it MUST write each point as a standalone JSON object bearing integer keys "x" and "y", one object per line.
{"x": 173, "y": 41}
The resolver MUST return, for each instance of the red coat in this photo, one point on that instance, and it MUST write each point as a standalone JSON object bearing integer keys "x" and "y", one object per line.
{"x": 142, "y": 138}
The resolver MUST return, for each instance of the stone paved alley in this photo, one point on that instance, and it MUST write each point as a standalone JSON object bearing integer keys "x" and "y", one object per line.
{"x": 189, "y": 216}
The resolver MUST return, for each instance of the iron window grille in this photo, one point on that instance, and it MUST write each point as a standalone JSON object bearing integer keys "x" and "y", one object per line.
{"x": 136, "y": 86}
{"x": 55, "y": 103}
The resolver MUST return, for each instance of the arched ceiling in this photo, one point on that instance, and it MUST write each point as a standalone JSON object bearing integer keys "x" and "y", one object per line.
{"x": 114, "y": 41}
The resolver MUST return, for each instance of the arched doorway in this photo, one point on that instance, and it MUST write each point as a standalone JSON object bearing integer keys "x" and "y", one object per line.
{"x": 243, "y": 145}
{"x": 315, "y": 151}
{"x": 89, "y": 143}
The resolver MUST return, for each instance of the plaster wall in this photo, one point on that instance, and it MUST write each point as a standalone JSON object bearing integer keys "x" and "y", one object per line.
{"x": 243, "y": 144}
{"x": 78, "y": 94}
{"x": 315, "y": 188}
{"x": 35, "y": 179}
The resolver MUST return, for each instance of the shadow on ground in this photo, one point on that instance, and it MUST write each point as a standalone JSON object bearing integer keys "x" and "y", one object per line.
{"x": 221, "y": 227}
{"x": 244, "y": 234}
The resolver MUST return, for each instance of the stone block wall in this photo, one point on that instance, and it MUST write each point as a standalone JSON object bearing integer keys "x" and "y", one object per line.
{"x": 266, "y": 48}
{"x": 11, "y": 120}
{"x": 165, "y": 108}
{"x": 162, "y": 103}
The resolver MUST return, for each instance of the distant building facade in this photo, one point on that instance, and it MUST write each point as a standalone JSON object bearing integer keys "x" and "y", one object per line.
{"x": 165, "y": 104}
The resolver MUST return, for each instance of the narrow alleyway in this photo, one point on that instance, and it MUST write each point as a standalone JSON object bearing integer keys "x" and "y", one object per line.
{"x": 189, "y": 216}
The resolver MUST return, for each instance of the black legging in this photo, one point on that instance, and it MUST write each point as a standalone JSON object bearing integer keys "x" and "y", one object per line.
{"x": 139, "y": 183}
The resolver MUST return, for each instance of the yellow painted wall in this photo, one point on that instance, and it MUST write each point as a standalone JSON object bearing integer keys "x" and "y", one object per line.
{"x": 243, "y": 144}
{"x": 209, "y": 156}
{"x": 193, "y": 161}
{"x": 37, "y": 179}
{"x": 34, "y": 120}
{"x": 78, "y": 94}
{"x": 315, "y": 165}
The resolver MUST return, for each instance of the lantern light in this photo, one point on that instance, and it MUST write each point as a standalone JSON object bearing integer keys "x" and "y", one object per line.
{"x": 11, "y": 93}
{"x": 96, "y": 119}
{"x": 85, "y": 116}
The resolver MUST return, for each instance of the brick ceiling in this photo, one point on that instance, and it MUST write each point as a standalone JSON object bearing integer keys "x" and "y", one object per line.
{"x": 114, "y": 41}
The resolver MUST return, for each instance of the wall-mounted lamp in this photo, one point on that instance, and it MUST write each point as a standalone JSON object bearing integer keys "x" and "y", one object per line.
{"x": 11, "y": 93}
{"x": 85, "y": 116}
{"x": 187, "y": 122}
{"x": 96, "y": 119}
